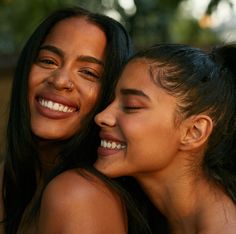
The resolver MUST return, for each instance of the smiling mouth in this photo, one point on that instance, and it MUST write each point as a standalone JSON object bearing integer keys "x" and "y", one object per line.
{"x": 56, "y": 106}
{"x": 112, "y": 144}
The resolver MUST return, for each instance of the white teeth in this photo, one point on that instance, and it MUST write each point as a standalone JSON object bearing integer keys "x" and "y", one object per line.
{"x": 112, "y": 145}
{"x": 55, "y": 106}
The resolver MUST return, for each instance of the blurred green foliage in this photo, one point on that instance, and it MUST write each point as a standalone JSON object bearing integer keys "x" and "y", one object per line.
{"x": 151, "y": 21}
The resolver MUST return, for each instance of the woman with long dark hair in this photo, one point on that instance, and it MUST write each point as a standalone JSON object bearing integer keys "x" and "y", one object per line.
{"x": 64, "y": 75}
{"x": 172, "y": 126}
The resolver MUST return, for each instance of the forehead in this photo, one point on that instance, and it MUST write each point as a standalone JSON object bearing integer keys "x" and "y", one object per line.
{"x": 77, "y": 36}
{"x": 70, "y": 27}
{"x": 136, "y": 74}
{"x": 73, "y": 22}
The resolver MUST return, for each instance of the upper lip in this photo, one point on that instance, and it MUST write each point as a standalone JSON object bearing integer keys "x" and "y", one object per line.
{"x": 108, "y": 136}
{"x": 58, "y": 98}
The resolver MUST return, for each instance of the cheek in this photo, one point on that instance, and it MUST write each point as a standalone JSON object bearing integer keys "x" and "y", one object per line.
{"x": 149, "y": 145}
{"x": 92, "y": 96}
{"x": 35, "y": 79}
{"x": 34, "y": 76}
{"x": 32, "y": 84}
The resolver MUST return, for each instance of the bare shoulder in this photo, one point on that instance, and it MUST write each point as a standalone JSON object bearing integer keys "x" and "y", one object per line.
{"x": 74, "y": 184}
{"x": 80, "y": 203}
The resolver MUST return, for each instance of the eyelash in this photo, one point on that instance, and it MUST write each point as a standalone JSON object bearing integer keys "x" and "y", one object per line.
{"x": 129, "y": 109}
{"x": 90, "y": 74}
{"x": 46, "y": 62}
{"x": 51, "y": 63}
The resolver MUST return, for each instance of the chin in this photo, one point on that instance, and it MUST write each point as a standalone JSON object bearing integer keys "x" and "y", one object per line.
{"x": 50, "y": 136}
{"x": 52, "y": 132}
{"x": 106, "y": 170}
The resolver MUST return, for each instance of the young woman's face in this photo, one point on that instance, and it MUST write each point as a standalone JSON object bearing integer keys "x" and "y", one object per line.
{"x": 65, "y": 79}
{"x": 138, "y": 129}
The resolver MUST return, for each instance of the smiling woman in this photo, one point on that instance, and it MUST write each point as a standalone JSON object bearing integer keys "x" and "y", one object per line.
{"x": 174, "y": 113}
{"x": 65, "y": 80}
{"x": 64, "y": 76}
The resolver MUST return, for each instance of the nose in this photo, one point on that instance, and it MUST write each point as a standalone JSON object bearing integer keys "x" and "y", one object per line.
{"x": 61, "y": 79}
{"x": 107, "y": 117}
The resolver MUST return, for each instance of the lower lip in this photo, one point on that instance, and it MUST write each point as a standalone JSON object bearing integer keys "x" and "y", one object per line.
{"x": 51, "y": 114}
{"x": 104, "y": 152}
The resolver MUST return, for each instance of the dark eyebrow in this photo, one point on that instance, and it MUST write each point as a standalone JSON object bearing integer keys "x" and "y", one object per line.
{"x": 136, "y": 92}
{"x": 90, "y": 59}
{"x": 83, "y": 58}
{"x": 53, "y": 49}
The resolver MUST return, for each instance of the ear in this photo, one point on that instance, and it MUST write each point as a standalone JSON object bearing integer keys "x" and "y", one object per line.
{"x": 195, "y": 132}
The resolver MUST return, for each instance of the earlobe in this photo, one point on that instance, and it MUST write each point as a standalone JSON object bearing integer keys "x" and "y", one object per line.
{"x": 195, "y": 132}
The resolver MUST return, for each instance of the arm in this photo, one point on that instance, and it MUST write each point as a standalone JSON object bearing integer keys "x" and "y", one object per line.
{"x": 73, "y": 204}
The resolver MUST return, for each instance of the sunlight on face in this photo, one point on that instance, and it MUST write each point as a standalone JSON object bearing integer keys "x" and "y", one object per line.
{"x": 65, "y": 80}
{"x": 142, "y": 120}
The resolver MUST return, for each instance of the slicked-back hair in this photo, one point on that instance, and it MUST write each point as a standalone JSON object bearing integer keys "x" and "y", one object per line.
{"x": 202, "y": 82}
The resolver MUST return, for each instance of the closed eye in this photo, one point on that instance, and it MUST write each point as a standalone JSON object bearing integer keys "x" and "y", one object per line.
{"x": 130, "y": 109}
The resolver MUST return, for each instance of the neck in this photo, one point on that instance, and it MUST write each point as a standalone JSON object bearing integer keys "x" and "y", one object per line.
{"x": 48, "y": 156}
{"x": 190, "y": 203}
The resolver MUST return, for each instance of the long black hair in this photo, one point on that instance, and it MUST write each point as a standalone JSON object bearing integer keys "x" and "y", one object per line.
{"x": 203, "y": 82}
{"x": 22, "y": 160}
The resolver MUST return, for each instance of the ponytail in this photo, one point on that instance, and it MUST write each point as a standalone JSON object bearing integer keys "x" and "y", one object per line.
{"x": 226, "y": 57}
{"x": 220, "y": 160}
